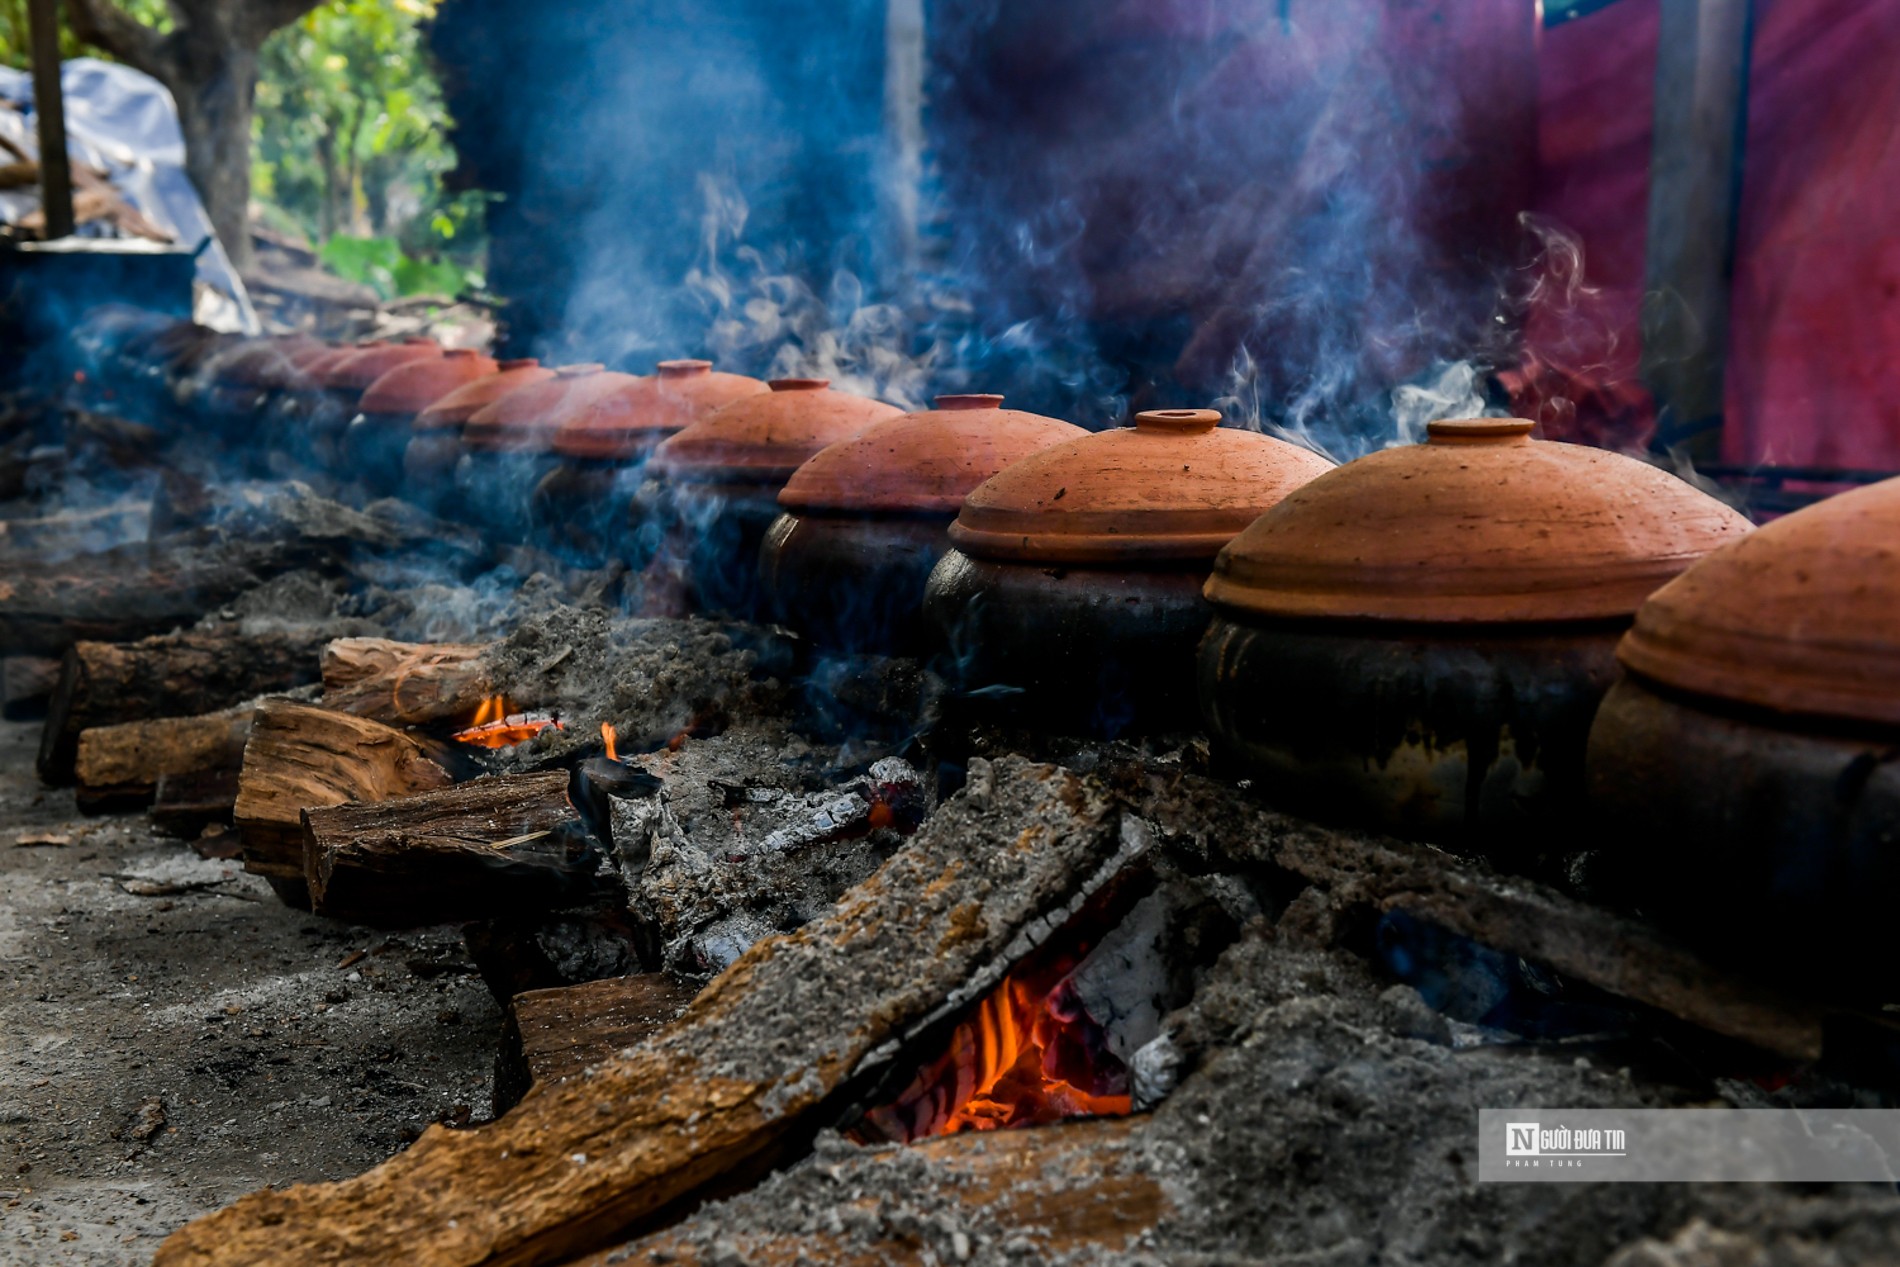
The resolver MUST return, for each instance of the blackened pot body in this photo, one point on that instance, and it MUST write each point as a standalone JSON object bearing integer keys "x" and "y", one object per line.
{"x": 372, "y": 447}
{"x": 853, "y": 582}
{"x": 707, "y": 533}
{"x": 1767, "y": 838}
{"x": 1450, "y": 732}
{"x": 1100, "y": 647}
{"x": 493, "y": 488}
{"x": 580, "y": 508}
{"x": 428, "y": 468}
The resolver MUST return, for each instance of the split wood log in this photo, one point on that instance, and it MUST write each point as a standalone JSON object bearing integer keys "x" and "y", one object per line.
{"x": 119, "y": 767}
{"x": 299, "y": 758}
{"x": 26, "y": 686}
{"x": 404, "y": 683}
{"x": 749, "y": 1070}
{"x": 172, "y": 675}
{"x": 73, "y": 532}
{"x": 1067, "y": 1189}
{"x": 185, "y": 804}
{"x": 553, "y": 1035}
{"x": 506, "y": 843}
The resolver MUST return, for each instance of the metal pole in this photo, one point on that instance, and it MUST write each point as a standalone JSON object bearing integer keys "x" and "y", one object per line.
{"x": 1695, "y": 184}
{"x": 49, "y": 104}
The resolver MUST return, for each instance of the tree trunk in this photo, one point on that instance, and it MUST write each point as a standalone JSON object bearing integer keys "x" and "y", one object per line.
{"x": 214, "y": 111}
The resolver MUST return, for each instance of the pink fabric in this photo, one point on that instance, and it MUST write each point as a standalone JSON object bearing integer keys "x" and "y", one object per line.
{"x": 1813, "y": 375}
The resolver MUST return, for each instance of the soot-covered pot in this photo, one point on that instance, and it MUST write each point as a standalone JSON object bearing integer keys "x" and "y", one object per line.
{"x": 713, "y": 488}
{"x": 581, "y": 504}
{"x": 1746, "y": 771}
{"x": 868, "y": 518}
{"x": 435, "y": 442}
{"x": 1077, "y": 571}
{"x": 1419, "y": 639}
{"x": 373, "y": 446}
{"x": 508, "y": 446}
{"x": 339, "y": 384}
{"x": 240, "y": 381}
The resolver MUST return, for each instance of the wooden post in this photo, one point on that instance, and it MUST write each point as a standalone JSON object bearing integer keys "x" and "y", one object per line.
{"x": 49, "y": 105}
{"x": 1695, "y": 182}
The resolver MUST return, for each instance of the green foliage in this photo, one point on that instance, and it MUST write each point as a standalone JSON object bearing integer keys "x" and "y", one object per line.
{"x": 382, "y": 265}
{"x": 16, "y": 48}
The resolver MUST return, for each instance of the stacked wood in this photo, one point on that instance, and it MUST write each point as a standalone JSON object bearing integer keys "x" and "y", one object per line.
{"x": 493, "y": 845}
{"x": 299, "y": 757}
{"x": 119, "y": 767}
{"x": 754, "y": 1064}
{"x": 185, "y": 804}
{"x": 171, "y": 675}
{"x": 404, "y": 683}
{"x": 553, "y": 1035}
{"x": 26, "y": 686}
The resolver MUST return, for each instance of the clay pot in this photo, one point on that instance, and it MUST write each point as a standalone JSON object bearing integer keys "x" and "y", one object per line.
{"x": 1747, "y": 770}
{"x": 581, "y": 505}
{"x": 867, "y": 519}
{"x": 713, "y": 488}
{"x": 435, "y": 445}
{"x": 1077, "y": 571}
{"x": 240, "y": 380}
{"x": 1419, "y": 640}
{"x": 508, "y": 446}
{"x": 373, "y": 446}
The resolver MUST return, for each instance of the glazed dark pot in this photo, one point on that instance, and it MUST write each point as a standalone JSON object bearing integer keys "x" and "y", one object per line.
{"x": 580, "y": 508}
{"x": 850, "y": 582}
{"x": 1448, "y": 733}
{"x": 1094, "y": 647}
{"x": 1764, "y": 838}
{"x": 493, "y": 488}
{"x": 716, "y": 529}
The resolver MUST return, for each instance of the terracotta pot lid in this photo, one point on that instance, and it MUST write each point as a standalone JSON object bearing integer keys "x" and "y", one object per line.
{"x": 634, "y": 419}
{"x": 763, "y": 439}
{"x": 1479, "y": 524}
{"x": 1175, "y": 486}
{"x": 412, "y": 387}
{"x": 373, "y": 360}
{"x": 925, "y": 462}
{"x": 1801, "y": 616}
{"x": 456, "y": 408}
{"x": 527, "y": 417}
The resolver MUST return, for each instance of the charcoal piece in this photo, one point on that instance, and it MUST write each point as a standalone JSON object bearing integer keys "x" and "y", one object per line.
{"x": 547, "y": 950}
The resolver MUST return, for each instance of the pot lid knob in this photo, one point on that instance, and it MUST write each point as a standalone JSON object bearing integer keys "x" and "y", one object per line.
{"x": 799, "y": 384}
{"x": 1478, "y": 430}
{"x": 684, "y": 368}
{"x": 580, "y": 371}
{"x": 969, "y": 400}
{"x": 1178, "y": 421}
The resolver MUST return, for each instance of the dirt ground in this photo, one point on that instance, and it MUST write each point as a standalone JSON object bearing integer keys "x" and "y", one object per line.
{"x": 172, "y": 1036}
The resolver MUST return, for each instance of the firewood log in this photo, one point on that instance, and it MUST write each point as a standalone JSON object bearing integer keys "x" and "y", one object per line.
{"x": 507, "y": 843}
{"x": 119, "y": 766}
{"x": 185, "y": 804}
{"x": 404, "y": 683}
{"x": 172, "y": 675}
{"x": 551, "y": 1035}
{"x": 757, "y": 1058}
{"x": 26, "y": 686}
{"x": 299, "y": 757}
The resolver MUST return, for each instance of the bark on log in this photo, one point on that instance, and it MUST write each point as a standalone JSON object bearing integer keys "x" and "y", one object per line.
{"x": 26, "y": 686}
{"x": 299, "y": 758}
{"x": 1066, "y": 1189}
{"x": 553, "y": 1035}
{"x": 404, "y": 683}
{"x": 119, "y": 767}
{"x": 173, "y": 675}
{"x": 507, "y": 843}
{"x": 758, "y": 1057}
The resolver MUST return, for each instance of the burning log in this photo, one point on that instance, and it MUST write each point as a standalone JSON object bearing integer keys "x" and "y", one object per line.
{"x": 172, "y": 675}
{"x": 554, "y": 1035}
{"x": 299, "y": 758}
{"x": 405, "y": 683}
{"x": 482, "y": 848}
{"x": 731, "y": 1085}
{"x": 121, "y": 766}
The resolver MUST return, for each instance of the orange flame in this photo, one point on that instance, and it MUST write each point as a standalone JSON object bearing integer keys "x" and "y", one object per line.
{"x": 494, "y": 726}
{"x": 607, "y": 737}
{"x": 1027, "y": 1056}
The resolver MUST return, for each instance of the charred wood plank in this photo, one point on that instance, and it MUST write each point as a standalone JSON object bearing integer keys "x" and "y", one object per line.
{"x": 119, "y": 767}
{"x": 404, "y": 683}
{"x": 751, "y": 1066}
{"x": 172, "y": 675}
{"x": 299, "y": 757}
{"x": 553, "y": 1035}
{"x": 506, "y": 843}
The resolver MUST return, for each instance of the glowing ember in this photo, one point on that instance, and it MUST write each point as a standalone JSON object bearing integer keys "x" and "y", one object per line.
{"x": 607, "y": 737}
{"x": 495, "y": 727}
{"x": 1027, "y": 1056}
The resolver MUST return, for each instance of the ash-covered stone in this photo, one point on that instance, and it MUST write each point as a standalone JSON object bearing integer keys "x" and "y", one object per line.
{"x": 754, "y": 831}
